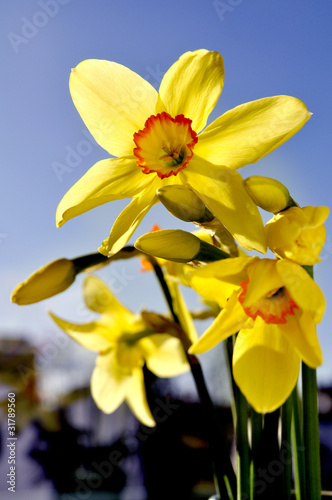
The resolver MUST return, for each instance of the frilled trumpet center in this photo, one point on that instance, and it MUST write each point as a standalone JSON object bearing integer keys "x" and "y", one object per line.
{"x": 273, "y": 308}
{"x": 165, "y": 145}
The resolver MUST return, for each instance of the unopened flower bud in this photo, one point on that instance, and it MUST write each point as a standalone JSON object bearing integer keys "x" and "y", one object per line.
{"x": 184, "y": 204}
{"x": 298, "y": 234}
{"x": 54, "y": 278}
{"x": 178, "y": 246}
{"x": 269, "y": 194}
{"x": 49, "y": 280}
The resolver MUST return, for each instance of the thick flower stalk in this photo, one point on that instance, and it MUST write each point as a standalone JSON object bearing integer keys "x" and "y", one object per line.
{"x": 160, "y": 139}
{"x": 125, "y": 343}
{"x": 275, "y": 306}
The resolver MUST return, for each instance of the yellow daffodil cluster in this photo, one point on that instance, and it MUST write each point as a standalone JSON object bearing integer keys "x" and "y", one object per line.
{"x": 164, "y": 151}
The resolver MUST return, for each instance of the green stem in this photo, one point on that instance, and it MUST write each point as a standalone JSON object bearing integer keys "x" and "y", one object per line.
{"x": 286, "y": 448}
{"x": 299, "y": 466}
{"x": 242, "y": 445}
{"x": 225, "y": 479}
{"x": 256, "y": 449}
{"x": 241, "y": 432}
{"x": 161, "y": 279}
{"x": 311, "y": 426}
{"x": 97, "y": 259}
{"x": 311, "y": 433}
{"x": 272, "y": 473}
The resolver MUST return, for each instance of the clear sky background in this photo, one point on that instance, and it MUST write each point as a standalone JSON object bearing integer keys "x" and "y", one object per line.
{"x": 269, "y": 48}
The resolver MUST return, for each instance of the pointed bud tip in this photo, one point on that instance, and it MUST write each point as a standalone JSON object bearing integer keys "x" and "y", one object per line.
{"x": 46, "y": 282}
{"x": 268, "y": 193}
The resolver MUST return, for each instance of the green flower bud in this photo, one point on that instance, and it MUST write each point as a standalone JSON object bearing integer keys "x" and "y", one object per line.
{"x": 178, "y": 246}
{"x": 184, "y": 204}
{"x": 49, "y": 280}
{"x": 269, "y": 194}
{"x": 54, "y": 278}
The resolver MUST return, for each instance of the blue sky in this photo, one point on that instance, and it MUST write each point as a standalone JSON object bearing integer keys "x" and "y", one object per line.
{"x": 269, "y": 48}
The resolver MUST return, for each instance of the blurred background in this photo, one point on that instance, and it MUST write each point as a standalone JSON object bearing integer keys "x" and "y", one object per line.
{"x": 269, "y": 48}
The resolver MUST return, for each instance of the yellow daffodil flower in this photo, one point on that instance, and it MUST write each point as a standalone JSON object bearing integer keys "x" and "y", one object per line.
{"x": 298, "y": 234}
{"x": 125, "y": 343}
{"x": 274, "y": 306}
{"x": 159, "y": 140}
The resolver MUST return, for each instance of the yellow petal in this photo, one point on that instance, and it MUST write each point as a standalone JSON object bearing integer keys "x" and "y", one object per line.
{"x": 265, "y": 366}
{"x": 113, "y": 101}
{"x": 192, "y": 86}
{"x": 302, "y": 288}
{"x": 108, "y": 384}
{"x": 136, "y": 399}
{"x": 46, "y": 282}
{"x": 128, "y": 221}
{"x": 94, "y": 336}
{"x": 263, "y": 278}
{"x": 106, "y": 181}
{"x": 231, "y": 270}
{"x": 250, "y": 131}
{"x": 165, "y": 356}
{"x": 212, "y": 289}
{"x": 223, "y": 192}
{"x": 99, "y": 298}
{"x": 316, "y": 215}
{"x": 300, "y": 331}
{"x": 231, "y": 319}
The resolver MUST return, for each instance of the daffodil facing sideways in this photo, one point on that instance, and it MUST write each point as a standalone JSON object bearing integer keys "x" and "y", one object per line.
{"x": 274, "y": 305}
{"x": 158, "y": 139}
{"x": 125, "y": 343}
{"x": 298, "y": 234}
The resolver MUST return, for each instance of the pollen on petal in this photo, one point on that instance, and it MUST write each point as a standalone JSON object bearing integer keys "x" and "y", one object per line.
{"x": 165, "y": 145}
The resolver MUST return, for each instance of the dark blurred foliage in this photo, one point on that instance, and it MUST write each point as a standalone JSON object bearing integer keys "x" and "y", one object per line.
{"x": 71, "y": 465}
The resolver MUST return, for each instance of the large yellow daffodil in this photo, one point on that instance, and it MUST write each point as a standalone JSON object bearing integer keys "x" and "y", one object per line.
{"x": 155, "y": 137}
{"x": 274, "y": 305}
{"x": 124, "y": 343}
